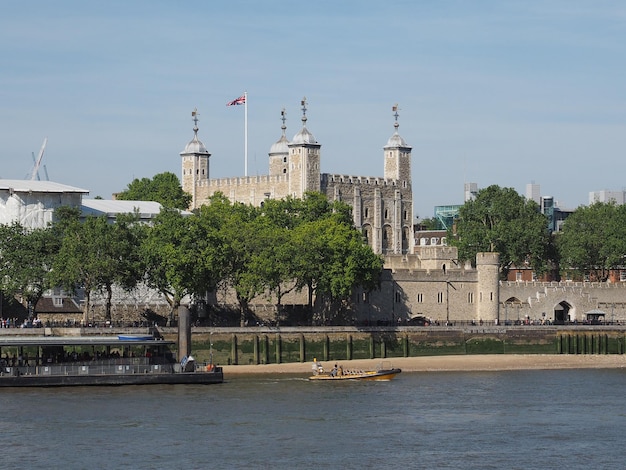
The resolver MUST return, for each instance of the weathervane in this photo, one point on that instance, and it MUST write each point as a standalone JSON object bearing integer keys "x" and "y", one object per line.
{"x": 194, "y": 115}
{"x": 395, "y": 109}
{"x": 303, "y": 103}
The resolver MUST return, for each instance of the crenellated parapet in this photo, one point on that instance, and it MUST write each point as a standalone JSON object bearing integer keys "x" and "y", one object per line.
{"x": 361, "y": 180}
{"x": 245, "y": 180}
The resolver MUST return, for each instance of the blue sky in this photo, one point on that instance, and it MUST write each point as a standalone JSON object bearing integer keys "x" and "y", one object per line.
{"x": 492, "y": 92}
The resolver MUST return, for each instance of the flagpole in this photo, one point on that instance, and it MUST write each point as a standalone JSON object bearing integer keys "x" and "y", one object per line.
{"x": 245, "y": 150}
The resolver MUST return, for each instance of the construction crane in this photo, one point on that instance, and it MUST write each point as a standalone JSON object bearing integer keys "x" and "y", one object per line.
{"x": 37, "y": 161}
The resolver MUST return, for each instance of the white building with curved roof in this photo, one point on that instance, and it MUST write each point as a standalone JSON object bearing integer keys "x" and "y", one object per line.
{"x": 32, "y": 203}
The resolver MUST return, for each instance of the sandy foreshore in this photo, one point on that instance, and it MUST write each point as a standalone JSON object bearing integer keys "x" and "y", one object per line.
{"x": 449, "y": 363}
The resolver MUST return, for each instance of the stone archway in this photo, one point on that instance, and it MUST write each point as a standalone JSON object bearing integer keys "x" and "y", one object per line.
{"x": 512, "y": 310}
{"x": 562, "y": 313}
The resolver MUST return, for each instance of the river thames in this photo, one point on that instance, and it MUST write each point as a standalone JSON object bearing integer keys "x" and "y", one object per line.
{"x": 456, "y": 420}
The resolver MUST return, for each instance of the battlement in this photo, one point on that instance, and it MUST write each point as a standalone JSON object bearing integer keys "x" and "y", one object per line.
{"x": 365, "y": 180}
{"x": 244, "y": 181}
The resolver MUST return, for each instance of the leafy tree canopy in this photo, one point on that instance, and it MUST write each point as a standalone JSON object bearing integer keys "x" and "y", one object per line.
{"x": 163, "y": 188}
{"x": 500, "y": 220}
{"x": 25, "y": 259}
{"x": 429, "y": 224}
{"x": 593, "y": 240}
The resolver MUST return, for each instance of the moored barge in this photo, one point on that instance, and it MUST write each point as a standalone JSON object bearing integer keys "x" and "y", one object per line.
{"x": 55, "y": 361}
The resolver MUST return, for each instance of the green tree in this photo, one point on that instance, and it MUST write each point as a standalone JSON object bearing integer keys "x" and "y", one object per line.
{"x": 241, "y": 246}
{"x": 593, "y": 240}
{"x": 95, "y": 254}
{"x": 429, "y": 224}
{"x": 124, "y": 266}
{"x": 500, "y": 220}
{"x": 25, "y": 261}
{"x": 163, "y": 188}
{"x": 182, "y": 255}
{"x": 331, "y": 259}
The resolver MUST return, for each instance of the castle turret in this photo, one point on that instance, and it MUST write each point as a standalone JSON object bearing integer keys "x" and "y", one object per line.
{"x": 488, "y": 286}
{"x": 279, "y": 152}
{"x": 397, "y": 155}
{"x": 397, "y": 221}
{"x": 195, "y": 163}
{"x": 304, "y": 160}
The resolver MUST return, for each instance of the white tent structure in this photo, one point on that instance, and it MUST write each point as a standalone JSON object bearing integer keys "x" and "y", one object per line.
{"x": 32, "y": 203}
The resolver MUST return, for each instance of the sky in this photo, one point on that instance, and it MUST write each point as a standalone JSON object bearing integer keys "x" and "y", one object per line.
{"x": 490, "y": 92}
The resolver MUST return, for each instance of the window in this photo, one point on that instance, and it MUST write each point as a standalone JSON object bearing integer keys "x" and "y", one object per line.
{"x": 518, "y": 276}
{"x": 420, "y": 298}
{"x": 470, "y": 297}
{"x": 440, "y": 298}
{"x": 57, "y": 301}
{"x": 622, "y": 276}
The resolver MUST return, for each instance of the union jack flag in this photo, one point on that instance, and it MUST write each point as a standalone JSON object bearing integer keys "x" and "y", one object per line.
{"x": 238, "y": 101}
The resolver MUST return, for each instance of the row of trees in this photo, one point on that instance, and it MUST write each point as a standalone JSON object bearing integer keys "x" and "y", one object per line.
{"x": 592, "y": 241}
{"x": 285, "y": 245}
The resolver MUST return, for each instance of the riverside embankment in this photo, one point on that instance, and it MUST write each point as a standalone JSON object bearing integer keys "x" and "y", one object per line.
{"x": 289, "y": 349}
{"x": 264, "y": 345}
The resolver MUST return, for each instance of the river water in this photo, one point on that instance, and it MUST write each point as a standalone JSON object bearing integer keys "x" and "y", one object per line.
{"x": 502, "y": 420}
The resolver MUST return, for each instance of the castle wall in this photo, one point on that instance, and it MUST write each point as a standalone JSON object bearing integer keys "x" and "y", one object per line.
{"x": 247, "y": 189}
{"x": 537, "y": 301}
{"x": 382, "y": 209}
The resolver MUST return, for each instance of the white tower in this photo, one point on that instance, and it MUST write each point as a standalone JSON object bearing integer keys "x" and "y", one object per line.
{"x": 304, "y": 160}
{"x": 397, "y": 155}
{"x": 195, "y": 163}
{"x": 279, "y": 152}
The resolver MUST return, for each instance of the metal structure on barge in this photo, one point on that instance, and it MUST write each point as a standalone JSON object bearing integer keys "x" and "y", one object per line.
{"x": 99, "y": 360}
{"x": 145, "y": 359}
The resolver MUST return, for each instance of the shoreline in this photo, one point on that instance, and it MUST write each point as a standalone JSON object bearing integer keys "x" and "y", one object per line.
{"x": 458, "y": 363}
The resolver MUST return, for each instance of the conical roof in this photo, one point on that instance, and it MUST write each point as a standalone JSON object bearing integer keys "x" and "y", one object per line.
{"x": 396, "y": 141}
{"x": 280, "y": 146}
{"x": 195, "y": 146}
{"x": 304, "y": 137}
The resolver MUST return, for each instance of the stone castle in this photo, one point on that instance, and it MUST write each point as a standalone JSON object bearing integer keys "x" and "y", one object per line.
{"x": 424, "y": 279}
{"x": 420, "y": 280}
{"x": 382, "y": 206}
